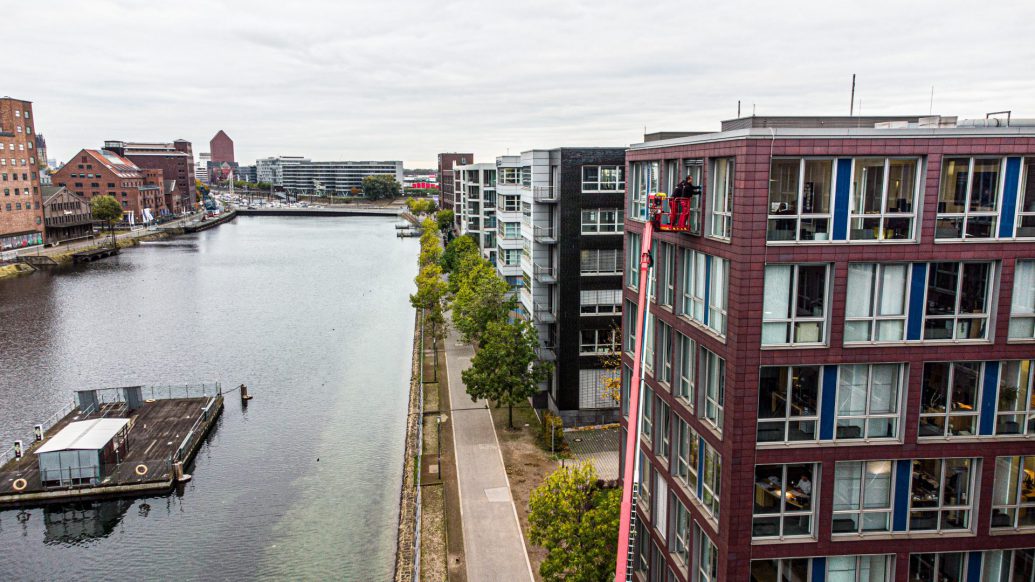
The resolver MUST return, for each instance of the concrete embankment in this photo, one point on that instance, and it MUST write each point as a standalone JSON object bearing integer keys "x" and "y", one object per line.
{"x": 356, "y": 211}
{"x": 408, "y": 498}
{"x": 9, "y": 271}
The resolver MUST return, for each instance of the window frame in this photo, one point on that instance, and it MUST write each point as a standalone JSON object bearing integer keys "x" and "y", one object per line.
{"x": 788, "y": 419}
{"x": 685, "y": 383}
{"x": 868, "y": 415}
{"x": 711, "y": 480}
{"x": 940, "y": 508}
{"x": 876, "y": 296}
{"x": 713, "y": 370}
{"x": 782, "y": 513}
{"x": 687, "y": 445}
{"x": 593, "y": 223}
{"x": 800, "y": 216}
{"x": 791, "y": 321}
{"x": 956, "y": 317}
{"x": 936, "y": 566}
{"x": 889, "y": 566}
{"x": 1027, "y": 411}
{"x": 860, "y": 510}
{"x": 598, "y": 184}
{"x": 720, "y": 211}
{"x": 967, "y": 214}
{"x": 948, "y": 414}
{"x": 1027, "y": 166}
{"x": 646, "y": 180}
{"x": 1015, "y": 481}
{"x": 1020, "y": 314}
{"x": 600, "y": 258}
{"x": 855, "y": 217}
{"x": 694, "y": 281}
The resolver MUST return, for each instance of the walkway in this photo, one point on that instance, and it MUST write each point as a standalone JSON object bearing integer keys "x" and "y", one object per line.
{"x": 493, "y": 544}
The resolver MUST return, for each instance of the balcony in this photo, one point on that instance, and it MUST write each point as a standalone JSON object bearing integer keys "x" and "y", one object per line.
{"x": 545, "y": 194}
{"x": 547, "y": 353}
{"x": 543, "y": 314}
{"x": 546, "y": 275}
{"x": 544, "y": 235}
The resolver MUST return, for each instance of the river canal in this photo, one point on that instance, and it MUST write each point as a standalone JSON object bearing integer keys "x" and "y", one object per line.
{"x": 312, "y": 314}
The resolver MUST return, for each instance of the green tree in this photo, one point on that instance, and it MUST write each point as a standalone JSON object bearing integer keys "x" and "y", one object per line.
{"x": 481, "y": 300}
{"x": 445, "y": 220}
{"x": 505, "y": 368}
{"x": 457, "y": 249}
{"x": 577, "y": 523}
{"x": 108, "y": 209}
{"x": 381, "y": 186}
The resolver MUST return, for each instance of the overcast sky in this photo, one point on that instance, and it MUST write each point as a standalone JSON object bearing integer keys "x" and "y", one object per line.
{"x": 406, "y": 79}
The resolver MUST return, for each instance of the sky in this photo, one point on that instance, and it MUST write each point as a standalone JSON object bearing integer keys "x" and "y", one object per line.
{"x": 407, "y": 79}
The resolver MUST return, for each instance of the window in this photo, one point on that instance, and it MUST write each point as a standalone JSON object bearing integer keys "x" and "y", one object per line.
{"x": 794, "y": 307}
{"x": 945, "y": 567}
{"x": 968, "y": 203}
{"x": 868, "y": 401}
{"x": 647, "y": 424}
{"x": 957, "y": 301}
{"x": 645, "y": 181}
{"x": 949, "y": 399}
{"x": 686, "y": 454}
{"x": 1015, "y": 407}
{"x": 707, "y": 558}
{"x": 600, "y": 302}
{"x": 884, "y": 193}
{"x": 1008, "y": 565}
{"x": 667, "y": 265}
{"x": 783, "y": 501}
{"x": 788, "y": 403}
{"x": 630, "y": 327}
{"x": 648, "y": 343}
{"x": 602, "y": 221}
{"x": 695, "y": 284}
{"x": 1026, "y": 202}
{"x": 603, "y": 178}
{"x": 687, "y": 363}
{"x": 663, "y": 367}
{"x": 509, "y": 230}
{"x": 781, "y": 570}
{"x": 596, "y": 341}
{"x": 714, "y": 387}
{"x": 1013, "y": 493}
{"x": 862, "y": 497}
{"x": 679, "y": 540}
{"x": 632, "y": 261}
{"x": 859, "y": 569}
{"x": 509, "y": 176}
{"x": 693, "y": 170}
{"x": 940, "y": 494}
{"x": 711, "y": 484}
{"x": 511, "y": 203}
{"x": 662, "y": 436}
{"x": 600, "y": 262}
{"x": 1022, "y": 307}
{"x": 595, "y": 388}
{"x": 719, "y": 275}
{"x": 875, "y": 302}
{"x": 722, "y": 198}
{"x": 799, "y": 200}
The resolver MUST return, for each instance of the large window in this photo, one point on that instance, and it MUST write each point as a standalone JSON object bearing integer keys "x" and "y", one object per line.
{"x": 510, "y": 257}
{"x": 647, "y": 418}
{"x": 597, "y": 341}
{"x": 968, "y": 202}
{"x": 875, "y": 302}
{"x": 859, "y": 569}
{"x": 707, "y": 558}
{"x": 788, "y": 403}
{"x": 862, "y": 497}
{"x": 511, "y": 203}
{"x": 958, "y": 300}
{"x": 714, "y": 372}
{"x": 687, "y": 365}
{"x": 679, "y": 537}
{"x": 695, "y": 284}
{"x": 705, "y": 290}
{"x": 686, "y": 453}
{"x": 509, "y": 230}
{"x": 941, "y": 494}
{"x": 645, "y": 181}
{"x": 711, "y": 485}
{"x": 600, "y": 262}
{"x": 781, "y": 570}
{"x": 632, "y": 261}
{"x": 694, "y": 171}
{"x": 884, "y": 193}
{"x": 663, "y": 366}
{"x": 603, "y": 178}
{"x": 509, "y": 176}
{"x": 1015, "y": 407}
{"x": 1008, "y": 565}
{"x": 783, "y": 501}
{"x": 667, "y": 266}
{"x": 949, "y": 399}
{"x": 722, "y": 198}
{"x": 718, "y": 291}
{"x": 1022, "y": 308}
{"x": 600, "y": 301}
{"x": 799, "y": 199}
{"x": 630, "y": 327}
{"x": 1026, "y": 201}
{"x": 945, "y": 567}
{"x": 1013, "y": 493}
{"x": 868, "y": 398}
{"x": 602, "y": 221}
{"x": 794, "y": 307}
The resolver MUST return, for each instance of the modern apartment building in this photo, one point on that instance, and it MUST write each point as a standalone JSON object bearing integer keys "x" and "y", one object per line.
{"x": 271, "y": 170}
{"x": 335, "y": 178}
{"x": 559, "y": 225}
{"x": 141, "y": 191}
{"x": 839, "y": 354}
{"x": 175, "y": 160}
{"x": 21, "y": 203}
{"x": 446, "y": 179}
{"x": 475, "y": 189}
{"x": 201, "y": 168}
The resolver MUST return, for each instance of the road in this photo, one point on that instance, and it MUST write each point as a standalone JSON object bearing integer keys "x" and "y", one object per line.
{"x": 493, "y": 544}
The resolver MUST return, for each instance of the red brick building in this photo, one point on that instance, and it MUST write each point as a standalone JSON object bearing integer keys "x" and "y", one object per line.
{"x": 446, "y": 180}
{"x": 21, "y": 200}
{"x": 222, "y": 148}
{"x": 92, "y": 173}
{"x": 176, "y": 160}
{"x": 839, "y": 356}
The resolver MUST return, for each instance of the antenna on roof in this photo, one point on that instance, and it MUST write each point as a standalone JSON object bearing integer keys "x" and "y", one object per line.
{"x": 930, "y": 111}
{"x": 851, "y": 107}
{"x": 738, "y": 108}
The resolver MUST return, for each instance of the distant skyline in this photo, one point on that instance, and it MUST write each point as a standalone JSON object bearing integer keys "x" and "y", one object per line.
{"x": 405, "y": 80}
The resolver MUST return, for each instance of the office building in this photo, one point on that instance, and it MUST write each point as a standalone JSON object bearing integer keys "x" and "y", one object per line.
{"x": 201, "y": 168}
{"x": 221, "y": 147}
{"x": 335, "y": 178}
{"x": 21, "y": 203}
{"x": 140, "y": 191}
{"x": 246, "y": 174}
{"x": 271, "y": 170}
{"x": 446, "y": 179}
{"x": 175, "y": 160}
{"x": 839, "y": 352}
{"x": 475, "y": 188}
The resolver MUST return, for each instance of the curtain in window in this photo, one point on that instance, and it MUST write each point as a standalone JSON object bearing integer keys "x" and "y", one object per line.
{"x": 859, "y": 294}
{"x": 777, "y": 300}
{"x": 847, "y": 486}
{"x": 884, "y": 397}
{"x": 851, "y": 394}
{"x": 1024, "y": 288}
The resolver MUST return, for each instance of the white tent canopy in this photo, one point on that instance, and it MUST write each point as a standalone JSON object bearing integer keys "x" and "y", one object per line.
{"x": 84, "y": 435}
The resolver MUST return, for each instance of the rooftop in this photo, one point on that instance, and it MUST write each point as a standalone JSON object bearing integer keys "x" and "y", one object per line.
{"x": 84, "y": 435}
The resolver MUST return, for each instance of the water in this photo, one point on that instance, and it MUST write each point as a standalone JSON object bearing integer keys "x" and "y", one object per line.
{"x": 312, "y": 314}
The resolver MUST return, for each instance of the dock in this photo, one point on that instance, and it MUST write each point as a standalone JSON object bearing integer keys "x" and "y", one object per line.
{"x": 166, "y": 427}
{"x": 94, "y": 254}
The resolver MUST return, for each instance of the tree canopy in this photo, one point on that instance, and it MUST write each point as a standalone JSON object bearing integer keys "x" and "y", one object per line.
{"x": 505, "y": 369}
{"x": 381, "y": 186}
{"x": 482, "y": 300}
{"x": 106, "y": 208}
{"x": 577, "y": 523}
{"x": 445, "y": 220}
{"x": 420, "y": 205}
{"x": 457, "y": 249}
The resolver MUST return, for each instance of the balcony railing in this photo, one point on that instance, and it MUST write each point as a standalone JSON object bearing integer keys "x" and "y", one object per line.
{"x": 543, "y": 314}
{"x": 545, "y": 274}
{"x": 547, "y": 353}
{"x": 544, "y": 194}
{"x": 544, "y": 235}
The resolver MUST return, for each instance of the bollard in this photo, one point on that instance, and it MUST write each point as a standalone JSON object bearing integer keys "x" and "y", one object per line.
{"x": 178, "y": 473}
{"x": 245, "y": 397}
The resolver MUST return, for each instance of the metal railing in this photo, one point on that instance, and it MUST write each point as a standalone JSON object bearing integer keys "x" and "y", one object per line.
{"x": 543, "y": 314}
{"x": 544, "y": 194}
{"x": 544, "y": 234}
{"x": 111, "y": 396}
{"x": 195, "y": 431}
{"x": 27, "y": 443}
{"x": 545, "y": 274}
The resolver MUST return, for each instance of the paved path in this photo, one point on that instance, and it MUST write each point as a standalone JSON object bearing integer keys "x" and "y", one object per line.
{"x": 103, "y": 238}
{"x": 493, "y": 544}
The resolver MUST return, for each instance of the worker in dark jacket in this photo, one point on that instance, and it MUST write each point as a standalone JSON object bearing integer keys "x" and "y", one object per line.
{"x": 681, "y": 203}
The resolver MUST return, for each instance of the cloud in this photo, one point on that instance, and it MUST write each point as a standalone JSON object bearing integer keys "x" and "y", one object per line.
{"x": 403, "y": 79}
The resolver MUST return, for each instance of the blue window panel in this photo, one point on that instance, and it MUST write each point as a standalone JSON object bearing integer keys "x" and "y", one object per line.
{"x": 974, "y": 567}
{"x": 900, "y": 512}
{"x": 707, "y": 286}
{"x": 829, "y": 397}
{"x": 819, "y": 569}
{"x": 917, "y": 286}
{"x": 990, "y": 389}
{"x": 700, "y": 467}
{"x": 842, "y": 198}
{"x": 1013, "y": 175}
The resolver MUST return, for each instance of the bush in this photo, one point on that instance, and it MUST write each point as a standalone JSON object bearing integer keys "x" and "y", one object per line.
{"x": 555, "y": 424}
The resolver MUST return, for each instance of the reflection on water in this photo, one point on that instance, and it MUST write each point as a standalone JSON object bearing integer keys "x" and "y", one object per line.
{"x": 312, "y": 314}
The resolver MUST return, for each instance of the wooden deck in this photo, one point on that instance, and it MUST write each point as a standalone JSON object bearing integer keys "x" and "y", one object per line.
{"x": 158, "y": 430}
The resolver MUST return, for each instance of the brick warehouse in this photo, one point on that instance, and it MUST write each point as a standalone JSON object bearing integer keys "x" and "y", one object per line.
{"x": 175, "y": 160}
{"x": 798, "y": 427}
{"x": 21, "y": 203}
{"x": 92, "y": 173}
